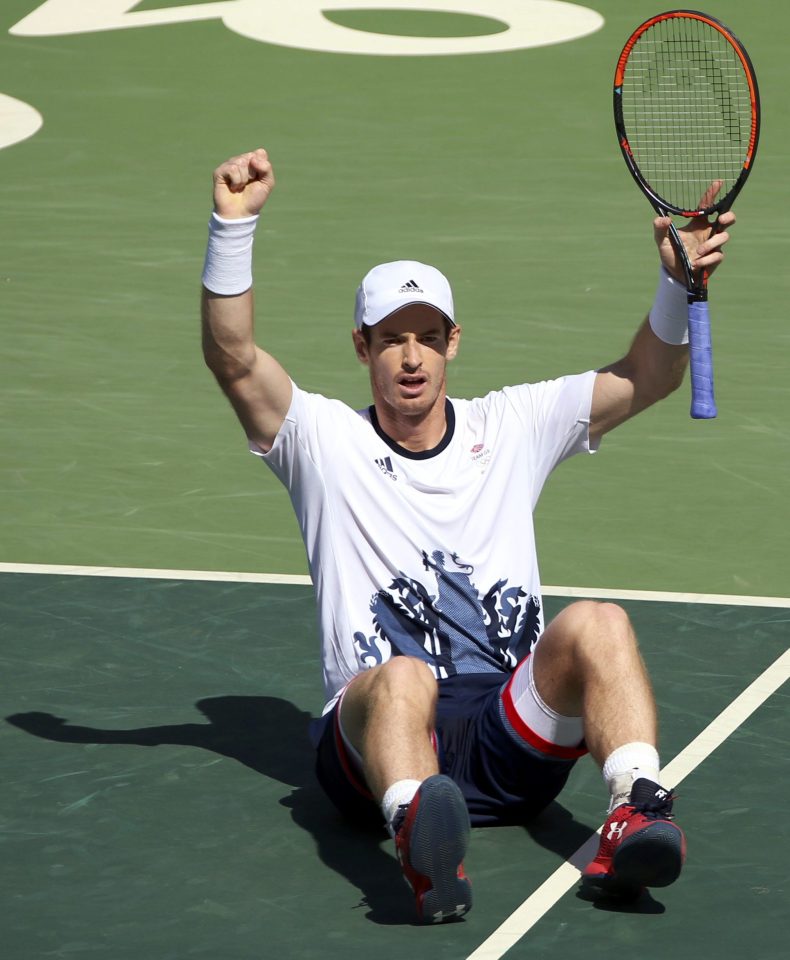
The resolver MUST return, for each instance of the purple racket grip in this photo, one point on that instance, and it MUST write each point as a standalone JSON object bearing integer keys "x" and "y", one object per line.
{"x": 703, "y": 403}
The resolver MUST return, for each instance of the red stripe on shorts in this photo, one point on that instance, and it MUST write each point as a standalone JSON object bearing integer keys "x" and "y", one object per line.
{"x": 533, "y": 739}
{"x": 345, "y": 760}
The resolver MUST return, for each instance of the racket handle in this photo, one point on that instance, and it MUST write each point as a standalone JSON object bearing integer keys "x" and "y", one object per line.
{"x": 703, "y": 403}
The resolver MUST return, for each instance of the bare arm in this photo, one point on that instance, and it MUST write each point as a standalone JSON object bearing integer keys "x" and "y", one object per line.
{"x": 652, "y": 369}
{"x": 254, "y": 382}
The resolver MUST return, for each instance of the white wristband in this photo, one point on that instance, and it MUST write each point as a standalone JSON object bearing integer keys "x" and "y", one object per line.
{"x": 669, "y": 315}
{"x": 228, "y": 266}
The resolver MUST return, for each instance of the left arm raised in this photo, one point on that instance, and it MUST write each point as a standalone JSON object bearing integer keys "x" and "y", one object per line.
{"x": 652, "y": 369}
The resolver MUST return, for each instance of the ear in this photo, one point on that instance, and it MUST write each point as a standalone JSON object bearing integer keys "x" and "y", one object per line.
{"x": 360, "y": 347}
{"x": 453, "y": 342}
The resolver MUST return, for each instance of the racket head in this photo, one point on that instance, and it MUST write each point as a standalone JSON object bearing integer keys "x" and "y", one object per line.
{"x": 687, "y": 112}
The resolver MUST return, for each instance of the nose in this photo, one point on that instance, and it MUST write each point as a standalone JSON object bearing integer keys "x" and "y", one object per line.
{"x": 412, "y": 358}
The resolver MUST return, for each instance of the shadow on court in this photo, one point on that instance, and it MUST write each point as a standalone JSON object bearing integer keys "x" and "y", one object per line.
{"x": 270, "y": 736}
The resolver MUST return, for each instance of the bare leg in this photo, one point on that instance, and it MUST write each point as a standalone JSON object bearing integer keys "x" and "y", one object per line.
{"x": 588, "y": 664}
{"x": 388, "y": 715}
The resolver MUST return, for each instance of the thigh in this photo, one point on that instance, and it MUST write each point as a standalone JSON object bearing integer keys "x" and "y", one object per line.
{"x": 583, "y": 633}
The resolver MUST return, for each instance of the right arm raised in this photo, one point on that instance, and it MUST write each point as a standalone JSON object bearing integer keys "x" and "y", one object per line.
{"x": 254, "y": 382}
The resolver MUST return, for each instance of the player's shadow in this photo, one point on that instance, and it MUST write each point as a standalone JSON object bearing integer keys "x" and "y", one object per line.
{"x": 269, "y": 735}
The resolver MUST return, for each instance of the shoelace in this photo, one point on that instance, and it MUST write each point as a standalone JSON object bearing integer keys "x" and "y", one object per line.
{"x": 657, "y": 808}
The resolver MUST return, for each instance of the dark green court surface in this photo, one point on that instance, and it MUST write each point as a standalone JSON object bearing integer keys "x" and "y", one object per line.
{"x": 158, "y": 795}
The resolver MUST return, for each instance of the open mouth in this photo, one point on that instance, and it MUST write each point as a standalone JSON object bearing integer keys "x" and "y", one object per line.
{"x": 412, "y": 385}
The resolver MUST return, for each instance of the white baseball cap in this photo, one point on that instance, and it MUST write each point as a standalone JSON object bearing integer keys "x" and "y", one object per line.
{"x": 389, "y": 287}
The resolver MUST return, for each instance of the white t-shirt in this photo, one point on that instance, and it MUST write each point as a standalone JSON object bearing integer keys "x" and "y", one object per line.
{"x": 428, "y": 554}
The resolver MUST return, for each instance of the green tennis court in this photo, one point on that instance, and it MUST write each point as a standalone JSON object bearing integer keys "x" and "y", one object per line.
{"x": 119, "y": 453}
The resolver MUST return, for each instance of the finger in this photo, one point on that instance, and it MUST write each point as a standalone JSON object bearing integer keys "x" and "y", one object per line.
{"x": 260, "y": 166}
{"x": 708, "y": 263}
{"x": 726, "y": 219}
{"x": 229, "y": 173}
{"x": 235, "y": 174}
{"x": 661, "y": 227}
{"x": 707, "y": 198}
{"x": 238, "y": 176}
{"x": 711, "y": 246}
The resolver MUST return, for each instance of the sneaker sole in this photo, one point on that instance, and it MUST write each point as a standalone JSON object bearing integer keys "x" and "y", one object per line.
{"x": 437, "y": 846}
{"x": 653, "y": 857}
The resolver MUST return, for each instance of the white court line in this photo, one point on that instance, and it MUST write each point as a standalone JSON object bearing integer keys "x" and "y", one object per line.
{"x": 558, "y": 884}
{"x": 146, "y": 573}
{"x": 223, "y": 576}
{"x": 720, "y": 599}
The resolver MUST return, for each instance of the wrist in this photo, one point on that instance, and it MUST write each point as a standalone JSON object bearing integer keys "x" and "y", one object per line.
{"x": 668, "y": 316}
{"x": 227, "y": 269}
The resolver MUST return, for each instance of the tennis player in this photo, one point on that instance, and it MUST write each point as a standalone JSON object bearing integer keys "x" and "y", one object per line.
{"x": 449, "y": 701}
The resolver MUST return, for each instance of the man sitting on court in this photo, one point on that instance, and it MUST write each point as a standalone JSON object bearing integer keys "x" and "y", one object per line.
{"x": 448, "y": 700}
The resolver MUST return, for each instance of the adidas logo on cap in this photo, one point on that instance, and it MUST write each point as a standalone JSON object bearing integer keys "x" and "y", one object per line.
{"x": 411, "y": 286}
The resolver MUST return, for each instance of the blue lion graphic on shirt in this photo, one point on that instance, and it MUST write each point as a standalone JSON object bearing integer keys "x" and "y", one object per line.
{"x": 457, "y": 631}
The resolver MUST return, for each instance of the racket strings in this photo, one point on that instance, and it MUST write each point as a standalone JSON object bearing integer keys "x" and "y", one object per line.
{"x": 687, "y": 110}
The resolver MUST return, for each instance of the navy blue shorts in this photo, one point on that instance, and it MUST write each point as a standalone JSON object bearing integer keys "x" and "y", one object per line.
{"x": 506, "y": 775}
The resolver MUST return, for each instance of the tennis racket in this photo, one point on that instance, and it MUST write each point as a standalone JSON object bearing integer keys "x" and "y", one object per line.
{"x": 687, "y": 113}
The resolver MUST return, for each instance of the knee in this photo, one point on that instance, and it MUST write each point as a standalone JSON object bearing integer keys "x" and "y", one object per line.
{"x": 608, "y": 617}
{"x": 606, "y": 631}
{"x": 401, "y": 687}
{"x": 593, "y": 628}
{"x": 406, "y": 677}
{"x": 600, "y": 613}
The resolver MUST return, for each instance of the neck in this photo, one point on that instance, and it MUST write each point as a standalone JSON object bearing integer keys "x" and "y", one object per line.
{"x": 415, "y": 433}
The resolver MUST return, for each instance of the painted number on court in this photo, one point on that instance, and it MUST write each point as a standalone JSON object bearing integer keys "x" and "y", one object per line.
{"x": 301, "y": 23}
{"x": 18, "y": 120}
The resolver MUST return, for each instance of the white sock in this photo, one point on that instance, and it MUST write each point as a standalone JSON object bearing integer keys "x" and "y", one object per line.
{"x": 401, "y": 792}
{"x": 625, "y": 765}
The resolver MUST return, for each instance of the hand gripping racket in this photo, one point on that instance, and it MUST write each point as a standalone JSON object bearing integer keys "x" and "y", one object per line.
{"x": 687, "y": 113}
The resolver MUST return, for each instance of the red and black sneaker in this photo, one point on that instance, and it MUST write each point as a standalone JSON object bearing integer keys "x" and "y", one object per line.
{"x": 431, "y": 835}
{"x": 640, "y": 845}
